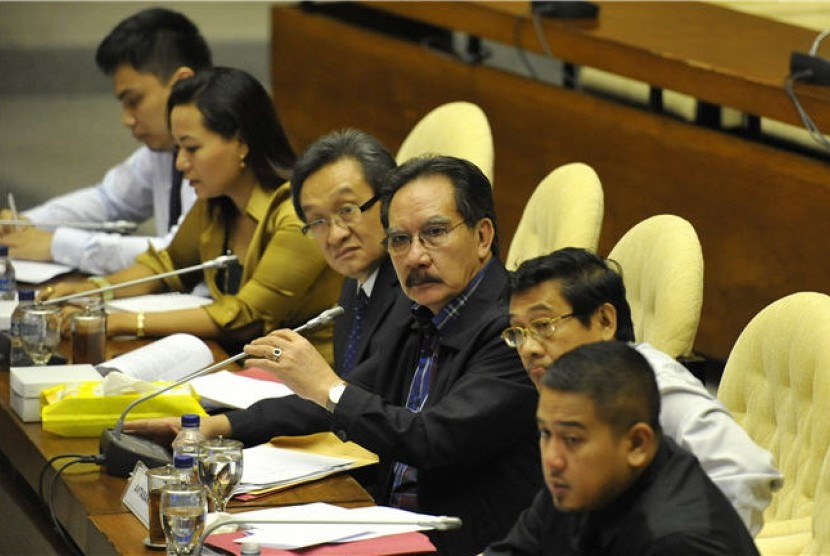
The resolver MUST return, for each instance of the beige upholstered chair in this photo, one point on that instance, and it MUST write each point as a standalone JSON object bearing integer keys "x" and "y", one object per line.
{"x": 662, "y": 268}
{"x": 458, "y": 129}
{"x": 777, "y": 385}
{"x": 565, "y": 210}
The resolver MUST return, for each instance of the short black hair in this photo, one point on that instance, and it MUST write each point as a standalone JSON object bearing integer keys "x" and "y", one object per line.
{"x": 473, "y": 192}
{"x": 156, "y": 41}
{"x": 374, "y": 159}
{"x": 586, "y": 279}
{"x": 617, "y": 377}
{"x": 234, "y": 104}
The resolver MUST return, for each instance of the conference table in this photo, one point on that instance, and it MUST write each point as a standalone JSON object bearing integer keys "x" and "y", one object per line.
{"x": 87, "y": 502}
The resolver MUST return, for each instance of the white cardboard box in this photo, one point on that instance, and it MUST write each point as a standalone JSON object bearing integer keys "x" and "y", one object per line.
{"x": 28, "y": 382}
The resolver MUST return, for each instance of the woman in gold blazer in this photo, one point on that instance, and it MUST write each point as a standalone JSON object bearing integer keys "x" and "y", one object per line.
{"x": 234, "y": 153}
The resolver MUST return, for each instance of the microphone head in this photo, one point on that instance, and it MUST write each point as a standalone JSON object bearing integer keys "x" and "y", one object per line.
{"x": 124, "y": 226}
{"x": 221, "y": 260}
{"x": 446, "y": 523}
{"x": 330, "y": 314}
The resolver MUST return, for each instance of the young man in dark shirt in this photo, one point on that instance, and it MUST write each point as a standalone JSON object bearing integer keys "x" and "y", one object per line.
{"x": 615, "y": 485}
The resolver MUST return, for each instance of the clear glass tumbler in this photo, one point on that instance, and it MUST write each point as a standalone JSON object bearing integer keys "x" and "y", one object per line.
{"x": 183, "y": 510}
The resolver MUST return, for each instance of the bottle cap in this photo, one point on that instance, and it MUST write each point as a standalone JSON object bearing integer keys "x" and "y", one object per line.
{"x": 190, "y": 420}
{"x": 249, "y": 548}
{"x": 183, "y": 461}
{"x": 25, "y": 295}
{"x": 4, "y": 250}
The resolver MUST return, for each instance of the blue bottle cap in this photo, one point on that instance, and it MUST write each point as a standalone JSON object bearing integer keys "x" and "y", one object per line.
{"x": 25, "y": 295}
{"x": 183, "y": 461}
{"x": 190, "y": 420}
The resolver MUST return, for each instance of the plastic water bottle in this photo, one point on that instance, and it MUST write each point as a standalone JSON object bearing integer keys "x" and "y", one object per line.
{"x": 185, "y": 466}
{"x": 188, "y": 439}
{"x": 17, "y": 355}
{"x": 8, "y": 286}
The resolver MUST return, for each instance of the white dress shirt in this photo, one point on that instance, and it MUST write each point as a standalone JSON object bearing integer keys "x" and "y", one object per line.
{"x": 134, "y": 190}
{"x": 701, "y": 424}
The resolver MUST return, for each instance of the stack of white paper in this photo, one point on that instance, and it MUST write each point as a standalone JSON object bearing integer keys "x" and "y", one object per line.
{"x": 169, "y": 358}
{"x": 227, "y": 389}
{"x": 37, "y": 272}
{"x": 153, "y": 303}
{"x": 292, "y": 536}
{"x": 267, "y": 466}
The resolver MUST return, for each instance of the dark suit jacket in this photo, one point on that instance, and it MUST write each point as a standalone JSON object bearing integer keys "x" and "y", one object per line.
{"x": 385, "y": 292}
{"x": 475, "y": 442}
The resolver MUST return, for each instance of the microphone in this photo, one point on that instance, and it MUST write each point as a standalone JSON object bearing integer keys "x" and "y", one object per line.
{"x": 439, "y": 523}
{"x": 220, "y": 261}
{"x": 122, "y": 451}
{"x": 118, "y": 226}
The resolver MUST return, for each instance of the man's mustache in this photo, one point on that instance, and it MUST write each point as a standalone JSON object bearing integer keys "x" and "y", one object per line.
{"x": 420, "y": 277}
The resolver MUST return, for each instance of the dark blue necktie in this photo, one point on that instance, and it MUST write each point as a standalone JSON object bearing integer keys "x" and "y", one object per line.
{"x": 349, "y": 360}
{"x": 175, "y": 208}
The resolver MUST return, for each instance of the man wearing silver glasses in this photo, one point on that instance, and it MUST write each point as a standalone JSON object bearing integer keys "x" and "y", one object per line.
{"x": 572, "y": 297}
{"x": 443, "y": 401}
{"x": 440, "y": 397}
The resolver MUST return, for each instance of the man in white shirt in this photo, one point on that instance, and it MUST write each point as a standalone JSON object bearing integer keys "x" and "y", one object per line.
{"x": 144, "y": 55}
{"x": 572, "y": 297}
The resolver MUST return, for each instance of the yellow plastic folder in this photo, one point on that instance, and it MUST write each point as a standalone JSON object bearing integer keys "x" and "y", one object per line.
{"x": 83, "y": 411}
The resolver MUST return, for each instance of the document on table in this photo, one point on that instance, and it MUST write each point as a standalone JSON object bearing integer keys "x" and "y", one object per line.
{"x": 37, "y": 272}
{"x": 169, "y": 358}
{"x": 268, "y": 467}
{"x": 291, "y": 536}
{"x": 154, "y": 303}
{"x": 227, "y": 389}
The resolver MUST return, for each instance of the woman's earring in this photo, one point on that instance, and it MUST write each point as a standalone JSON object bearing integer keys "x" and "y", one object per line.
{"x": 242, "y": 162}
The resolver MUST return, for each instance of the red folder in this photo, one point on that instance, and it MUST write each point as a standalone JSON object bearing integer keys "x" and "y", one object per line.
{"x": 404, "y": 543}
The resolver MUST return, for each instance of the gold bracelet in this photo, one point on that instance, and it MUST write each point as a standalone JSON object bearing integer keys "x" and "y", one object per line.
{"x": 139, "y": 324}
{"x": 101, "y": 282}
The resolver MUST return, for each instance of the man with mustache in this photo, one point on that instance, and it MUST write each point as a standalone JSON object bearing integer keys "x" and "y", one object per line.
{"x": 145, "y": 55}
{"x": 615, "y": 484}
{"x": 572, "y": 297}
{"x": 441, "y": 399}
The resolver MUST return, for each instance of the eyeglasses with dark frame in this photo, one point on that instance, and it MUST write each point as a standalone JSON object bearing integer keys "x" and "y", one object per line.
{"x": 344, "y": 217}
{"x": 541, "y": 329}
{"x": 431, "y": 237}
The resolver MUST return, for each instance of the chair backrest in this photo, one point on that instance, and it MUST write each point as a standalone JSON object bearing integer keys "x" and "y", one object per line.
{"x": 662, "y": 268}
{"x": 776, "y": 384}
{"x": 459, "y": 129}
{"x": 565, "y": 210}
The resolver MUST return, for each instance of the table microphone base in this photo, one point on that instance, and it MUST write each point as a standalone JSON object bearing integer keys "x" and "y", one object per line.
{"x": 122, "y": 451}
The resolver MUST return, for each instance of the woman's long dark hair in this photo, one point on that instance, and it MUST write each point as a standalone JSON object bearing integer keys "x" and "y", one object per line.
{"x": 234, "y": 104}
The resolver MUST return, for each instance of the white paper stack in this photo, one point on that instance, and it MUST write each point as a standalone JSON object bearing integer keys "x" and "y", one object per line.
{"x": 227, "y": 389}
{"x": 322, "y": 526}
{"x": 268, "y": 467}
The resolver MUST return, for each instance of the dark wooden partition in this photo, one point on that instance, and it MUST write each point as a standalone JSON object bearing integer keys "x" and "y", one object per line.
{"x": 762, "y": 213}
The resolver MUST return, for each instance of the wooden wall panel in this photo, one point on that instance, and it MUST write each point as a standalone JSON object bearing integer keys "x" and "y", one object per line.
{"x": 763, "y": 215}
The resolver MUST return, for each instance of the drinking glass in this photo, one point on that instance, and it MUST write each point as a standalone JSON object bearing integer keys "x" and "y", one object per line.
{"x": 183, "y": 510}
{"x": 157, "y": 479}
{"x": 40, "y": 332}
{"x": 220, "y": 469}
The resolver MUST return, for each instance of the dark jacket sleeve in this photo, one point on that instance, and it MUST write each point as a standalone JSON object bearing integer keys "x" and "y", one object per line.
{"x": 288, "y": 416}
{"x": 526, "y": 536}
{"x": 481, "y": 401}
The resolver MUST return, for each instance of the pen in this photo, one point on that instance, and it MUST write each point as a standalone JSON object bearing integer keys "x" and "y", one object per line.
{"x": 12, "y": 206}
